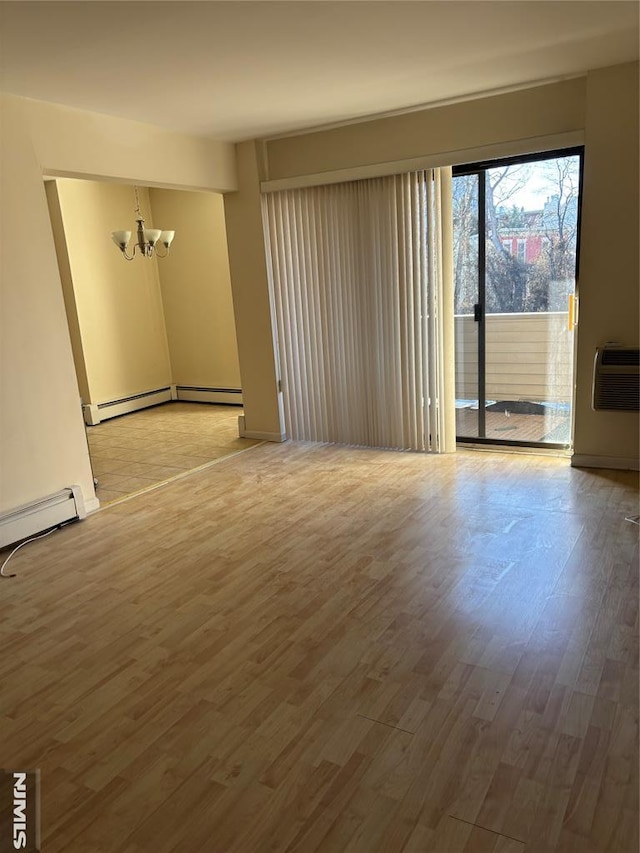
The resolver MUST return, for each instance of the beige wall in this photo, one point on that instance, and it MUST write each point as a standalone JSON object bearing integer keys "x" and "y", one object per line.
{"x": 42, "y": 440}
{"x": 456, "y": 129}
{"x": 251, "y": 301}
{"x": 62, "y": 253}
{"x": 608, "y": 279}
{"x": 75, "y": 143}
{"x": 196, "y": 290}
{"x": 43, "y": 446}
{"x": 117, "y": 303}
{"x": 603, "y": 106}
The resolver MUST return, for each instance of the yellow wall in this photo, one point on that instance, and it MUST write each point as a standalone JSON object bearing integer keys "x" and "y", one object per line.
{"x": 196, "y": 290}
{"x": 602, "y": 106}
{"x": 117, "y": 302}
{"x": 141, "y": 325}
{"x": 42, "y": 439}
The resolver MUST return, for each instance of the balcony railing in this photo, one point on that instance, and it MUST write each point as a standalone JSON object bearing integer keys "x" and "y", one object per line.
{"x": 528, "y": 357}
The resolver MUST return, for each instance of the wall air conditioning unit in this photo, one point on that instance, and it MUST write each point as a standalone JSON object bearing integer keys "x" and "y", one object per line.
{"x": 616, "y": 379}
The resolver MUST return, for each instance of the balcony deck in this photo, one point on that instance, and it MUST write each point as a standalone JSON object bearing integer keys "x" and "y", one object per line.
{"x": 552, "y": 428}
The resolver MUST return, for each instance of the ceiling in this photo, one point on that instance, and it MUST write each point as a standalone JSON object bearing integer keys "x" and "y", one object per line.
{"x": 237, "y": 70}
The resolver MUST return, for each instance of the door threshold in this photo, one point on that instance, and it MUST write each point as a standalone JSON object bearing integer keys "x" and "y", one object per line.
{"x": 562, "y": 453}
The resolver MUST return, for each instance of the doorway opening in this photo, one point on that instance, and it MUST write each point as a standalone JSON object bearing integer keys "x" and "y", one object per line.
{"x": 147, "y": 333}
{"x": 516, "y": 236}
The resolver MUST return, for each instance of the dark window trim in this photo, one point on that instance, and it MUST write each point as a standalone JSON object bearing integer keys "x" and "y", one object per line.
{"x": 517, "y": 159}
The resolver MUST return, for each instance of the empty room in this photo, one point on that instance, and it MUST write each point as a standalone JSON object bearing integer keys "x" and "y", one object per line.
{"x": 319, "y": 437}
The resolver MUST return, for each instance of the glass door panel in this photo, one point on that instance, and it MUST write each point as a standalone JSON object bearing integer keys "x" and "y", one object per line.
{"x": 465, "y": 270}
{"x": 525, "y": 285}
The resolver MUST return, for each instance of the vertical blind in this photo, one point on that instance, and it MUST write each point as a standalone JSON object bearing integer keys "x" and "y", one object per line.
{"x": 357, "y": 280}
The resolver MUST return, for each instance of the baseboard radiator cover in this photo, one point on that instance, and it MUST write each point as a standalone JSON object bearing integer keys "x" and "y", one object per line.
{"x": 207, "y": 394}
{"x": 32, "y": 518}
{"x": 94, "y": 413}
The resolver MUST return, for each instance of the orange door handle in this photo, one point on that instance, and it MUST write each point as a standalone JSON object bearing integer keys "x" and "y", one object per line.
{"x": 572, "y": 312}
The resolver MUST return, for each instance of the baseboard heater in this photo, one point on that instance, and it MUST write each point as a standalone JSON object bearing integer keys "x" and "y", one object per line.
{"x": 616, "y": 379}
{"x": 201, "y": 394}
{"x": 96, "y": 413}
{"x": 32, "y": 518}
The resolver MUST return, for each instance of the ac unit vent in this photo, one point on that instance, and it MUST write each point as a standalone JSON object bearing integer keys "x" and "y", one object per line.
{"x": 611, "y": 356}
{"x": 616, "y": 380}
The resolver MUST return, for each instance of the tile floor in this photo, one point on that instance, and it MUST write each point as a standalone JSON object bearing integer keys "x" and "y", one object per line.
{"x": 135, "y": 451}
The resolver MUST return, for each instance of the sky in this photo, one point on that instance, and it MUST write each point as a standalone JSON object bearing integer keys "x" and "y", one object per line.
{"x": 529, "y": 185}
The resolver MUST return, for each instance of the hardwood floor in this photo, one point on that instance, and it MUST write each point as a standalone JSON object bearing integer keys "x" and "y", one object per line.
{"x": 312, "y": 648}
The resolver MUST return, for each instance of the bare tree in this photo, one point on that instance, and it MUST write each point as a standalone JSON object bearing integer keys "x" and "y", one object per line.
{"x": 506, "y": 275}
{"x": 515, "y": 284}
{"x": 552, "y": 277}
{"x": 501, "y": 186}
{"x": 560, "y": 219}
{"x": 465, "y": 242}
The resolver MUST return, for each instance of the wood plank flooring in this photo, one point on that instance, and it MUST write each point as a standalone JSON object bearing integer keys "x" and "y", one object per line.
{"x": 313, "y": 648}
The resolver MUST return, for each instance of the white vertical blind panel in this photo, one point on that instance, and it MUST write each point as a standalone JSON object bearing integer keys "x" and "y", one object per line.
{"x": 356, "y": 272}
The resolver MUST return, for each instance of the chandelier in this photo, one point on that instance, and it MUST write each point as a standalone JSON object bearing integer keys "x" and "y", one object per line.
{"x": 147, "y": 239}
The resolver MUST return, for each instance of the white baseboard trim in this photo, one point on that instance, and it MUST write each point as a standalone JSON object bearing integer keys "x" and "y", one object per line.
{"x": 199, "y": 394}
{"x": 243, "y": 432}
{"x": 91, "y": 414}
{"x": 266, "y": 436}
{"x": 585, "y": 460}
{"x": 95, "y": 413}
{"x": 92, "y": 505}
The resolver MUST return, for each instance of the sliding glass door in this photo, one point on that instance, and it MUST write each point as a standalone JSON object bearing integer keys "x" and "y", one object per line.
{"x": 516, "y": 226}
